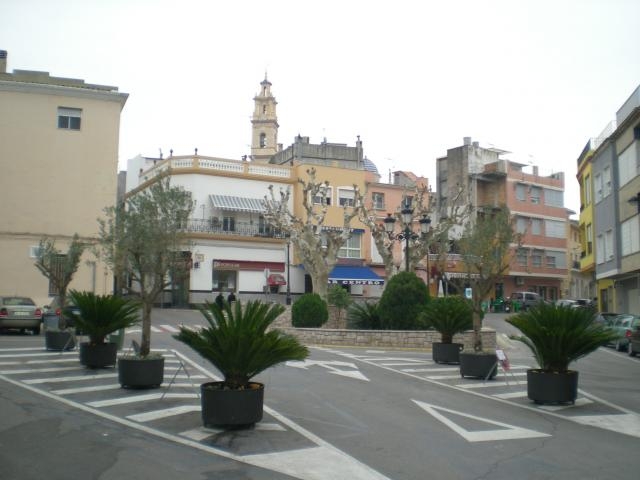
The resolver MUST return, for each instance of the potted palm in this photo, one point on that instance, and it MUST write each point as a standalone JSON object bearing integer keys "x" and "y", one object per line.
{"x": 448, "y": 315}
{"x": 557, "y": 336}
{"x": 238, "y": 342}
{"x": 98, "y": 316}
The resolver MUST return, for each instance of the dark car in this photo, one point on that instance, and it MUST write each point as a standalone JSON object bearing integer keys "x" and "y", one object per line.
{"x": 19, "y": 313}
{"x": 52, "y": 316}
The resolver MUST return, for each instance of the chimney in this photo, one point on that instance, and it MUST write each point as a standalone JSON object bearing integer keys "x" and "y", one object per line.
{"x": 466, "y": 141}
{"x": 476, "y": 144}
{"x": 3, "y": 61}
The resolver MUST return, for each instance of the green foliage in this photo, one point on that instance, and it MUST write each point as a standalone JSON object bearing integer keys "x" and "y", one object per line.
{"x": 101, "y": 315}
{"x": 364, "y": 316}
{"x": 449, "y": 315}
{"x": 57, "y": 266}
{"x": 309, "y": 311}
{"x": 237, "y": 342}
{"x": 404, "y": 298}
{"x": 558, "y": 336}
{"x": 340, "y": 298}
{"x": 144, "y": 240}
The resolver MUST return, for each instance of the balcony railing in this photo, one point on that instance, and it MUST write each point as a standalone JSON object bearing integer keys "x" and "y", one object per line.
{"x": 244, "y": 229}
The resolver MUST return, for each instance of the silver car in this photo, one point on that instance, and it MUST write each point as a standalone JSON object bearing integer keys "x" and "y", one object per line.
{"x": 19, "y": 313}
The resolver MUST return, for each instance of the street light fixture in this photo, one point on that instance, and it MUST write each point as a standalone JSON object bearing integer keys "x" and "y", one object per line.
{"x": 407, "y": 234}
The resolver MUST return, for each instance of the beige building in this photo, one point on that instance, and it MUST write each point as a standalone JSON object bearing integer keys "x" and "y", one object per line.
{"x": 59, "y": 155}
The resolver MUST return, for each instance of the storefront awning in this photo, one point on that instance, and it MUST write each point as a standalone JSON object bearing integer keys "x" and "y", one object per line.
{"x": 237, "y": 204}
{"x": 348, "y": 275}
{"x": 276, "y": 279}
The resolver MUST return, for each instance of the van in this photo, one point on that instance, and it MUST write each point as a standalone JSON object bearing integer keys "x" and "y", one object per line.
{"x": 525, "y": 300}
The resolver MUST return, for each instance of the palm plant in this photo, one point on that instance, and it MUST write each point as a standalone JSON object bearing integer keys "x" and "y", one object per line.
{"x": 100, "y": 315}
{"x": 238, "y": 343}
{"x": 559, "y": 335}
{"x": 364, "y": 316}
{"x": 449, "y": 315}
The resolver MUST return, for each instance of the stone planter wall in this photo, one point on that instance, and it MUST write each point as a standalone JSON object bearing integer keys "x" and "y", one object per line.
{"x": 377, "y": 338}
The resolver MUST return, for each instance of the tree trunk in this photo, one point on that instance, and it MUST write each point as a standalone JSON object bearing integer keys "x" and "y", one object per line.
{"x": 145, "y": 341}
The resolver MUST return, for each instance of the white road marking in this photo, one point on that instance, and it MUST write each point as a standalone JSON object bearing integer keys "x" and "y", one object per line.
{"x": 627, "y": 423}
{"x": 95, "y": 388}
{"x": 38, "y": 370}
{"x": 331, "y": 366}
{"x": 436, "y": 369}
{"x": 199, "y": 434}
{"x": 45, "y": 354}
{"x": 6, "y": 364}
{"x": 492, "y": 383}
{"x": 138, "y": 398}
{"x": 505, "y": 432}
{"x": 319, "y": 463}
{"x": 75, "y": 378}
{"x": 166, "y": 412}
{"x": 269, "y": 427}
{"x": 170, "y": 328}
{"x": 520, "y": 394}
{"x": 51, "y": 360}
{"x": 443, "y": 377}
{"x": 405, "y": 364}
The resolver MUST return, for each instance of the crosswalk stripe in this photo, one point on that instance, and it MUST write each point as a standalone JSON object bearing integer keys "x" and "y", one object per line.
{"x": 37, "y": 370}
{"x": 492, "y": 383}
{"x": 170, "y": 328}
{"x": 96, "y": 388}
{"x": 425, "y": 370}
{"x": 75, "y": 378}
{"x": 139, "y": 398}
{"x": 405, "y": 364}
{"x": 43, "y": 354}
{"x": 507, "y": 396}
{"x": 163, "y": 413}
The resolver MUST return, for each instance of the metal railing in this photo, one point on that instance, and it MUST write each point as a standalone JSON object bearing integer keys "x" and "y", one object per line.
{"x": 245, "y": 229}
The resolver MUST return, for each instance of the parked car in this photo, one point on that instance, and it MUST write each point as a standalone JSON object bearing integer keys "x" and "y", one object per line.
{"x": 523, "y": 301}
{"x": 633, "y": 347}
{"x": 19, "y": 313}
{"x": 624, "y": 325}
{"x": 605, "y": 318}
{"x": 53, "y": 314}
{"x": 575, "y": 303}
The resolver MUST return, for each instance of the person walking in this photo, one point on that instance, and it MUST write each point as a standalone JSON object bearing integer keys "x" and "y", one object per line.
{"x": 220, "y": 299}
{"x": 231, "y": 298}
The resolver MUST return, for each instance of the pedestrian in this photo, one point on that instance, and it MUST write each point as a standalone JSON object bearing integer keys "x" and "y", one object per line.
{"x": 220, "y": 299}
{"x": 231, "y": 298}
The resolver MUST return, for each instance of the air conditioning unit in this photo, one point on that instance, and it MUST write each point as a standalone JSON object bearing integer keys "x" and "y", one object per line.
{"x": 519, "y": 281}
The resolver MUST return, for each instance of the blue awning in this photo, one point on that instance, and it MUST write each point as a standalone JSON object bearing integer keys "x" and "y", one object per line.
{"x": 348, "y": 275}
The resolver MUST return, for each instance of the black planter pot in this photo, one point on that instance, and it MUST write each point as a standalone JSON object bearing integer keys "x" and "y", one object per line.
{"x": 446, "y": 352}
{"x": 231, "y": 408}
{"x": 478, "y": 365}
{"x": 134, "y": 372}
{"x": 98, "y": 356}
{"x": 59, "y": 340}
{"x": 550, "y": 387}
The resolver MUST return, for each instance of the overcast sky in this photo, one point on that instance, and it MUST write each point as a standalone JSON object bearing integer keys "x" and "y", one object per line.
{"x": 536, "y": 78}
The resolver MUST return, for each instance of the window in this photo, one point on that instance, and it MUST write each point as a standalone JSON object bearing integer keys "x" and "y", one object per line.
{"x": 69, "y": 118}
{"x": 229, "y": 224}
{"x": 630, "y": 235}
{"x": 597, "y": 183}
{"x": 351, "y": 249}
{"x": 589, "y": 239}
{"x": 553, "y": 198}
{"x": 346, "y": 197}
{"x": 556, "y": 259}
{"x": 627, "y": 165}
{"x": 555, "y": 228}
{"x": 521, "y": 256}
{"x": 606, "y": 182}
{"x": 608, "y": 245}
{"x": 534, "y": 195}
{"x": 521, "y": 225}
{"x": 520, "y": 191}
{"x": 536, "y": 226}
{"x": 263, "y": 140}
{"x": 34, "y": 250}
{"x": 587, "y": 190}
{"x": 550, "y": 261}
{"x": 324, "y": 192}
{"x": 536, "y": 258}
{"x": 378, "y": 200}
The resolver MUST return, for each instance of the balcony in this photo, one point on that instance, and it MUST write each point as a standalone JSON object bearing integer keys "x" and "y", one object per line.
{"x": 243, "y": 229}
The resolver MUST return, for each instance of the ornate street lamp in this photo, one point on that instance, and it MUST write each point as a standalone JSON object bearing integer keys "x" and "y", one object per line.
{"x": 407, "y": 234}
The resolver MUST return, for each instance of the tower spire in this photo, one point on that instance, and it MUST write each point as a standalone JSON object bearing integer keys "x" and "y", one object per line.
{"x": 264, "y": 124}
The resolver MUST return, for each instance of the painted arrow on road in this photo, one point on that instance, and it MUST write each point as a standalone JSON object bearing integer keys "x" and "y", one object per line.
{"x": 331, "y": 365}
{"x": 505, "y": 432}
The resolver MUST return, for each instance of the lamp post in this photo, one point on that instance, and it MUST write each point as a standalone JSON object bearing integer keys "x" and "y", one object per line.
{"x": 288, "y": 300}
{"x": 407, "y": 234}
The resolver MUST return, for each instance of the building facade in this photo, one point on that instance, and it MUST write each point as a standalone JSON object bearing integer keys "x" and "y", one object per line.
{"x": 536, "y": 203}
{"x": 60, "y": 152}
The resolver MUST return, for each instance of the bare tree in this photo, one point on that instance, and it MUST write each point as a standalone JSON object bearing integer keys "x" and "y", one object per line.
{"x": 317, "y": 244}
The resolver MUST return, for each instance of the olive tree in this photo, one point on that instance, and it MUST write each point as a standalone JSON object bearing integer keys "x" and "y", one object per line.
{"x": 143, "y": 239}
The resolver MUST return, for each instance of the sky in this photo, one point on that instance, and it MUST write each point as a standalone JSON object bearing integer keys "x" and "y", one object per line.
{"x": 535, "y": 78}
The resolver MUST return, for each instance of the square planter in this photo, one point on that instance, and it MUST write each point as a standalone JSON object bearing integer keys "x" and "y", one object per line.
{"x": 222, "y": 407}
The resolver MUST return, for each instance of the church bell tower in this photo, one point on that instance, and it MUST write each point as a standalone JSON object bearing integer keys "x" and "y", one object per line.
{"x": 264, "y": 124}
